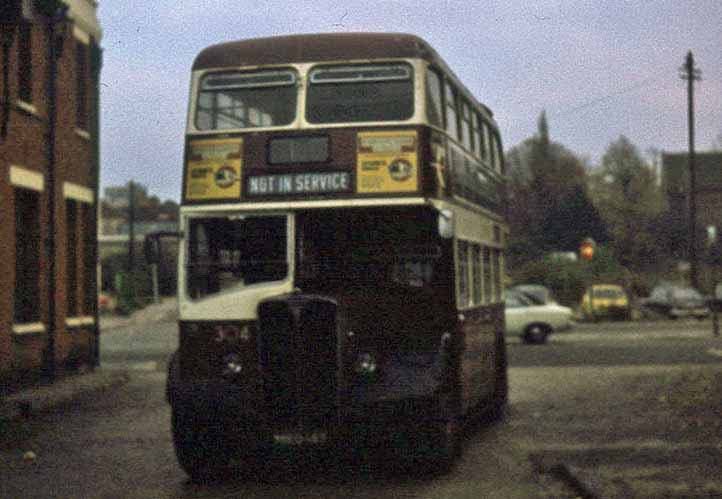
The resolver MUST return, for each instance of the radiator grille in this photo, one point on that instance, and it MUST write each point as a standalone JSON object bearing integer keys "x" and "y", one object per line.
{"x": 297, "y": 347}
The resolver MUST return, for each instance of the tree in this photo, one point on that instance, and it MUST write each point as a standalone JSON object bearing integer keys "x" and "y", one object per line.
{"x": 549, "y": 206}
{"x": 629, "y": 200}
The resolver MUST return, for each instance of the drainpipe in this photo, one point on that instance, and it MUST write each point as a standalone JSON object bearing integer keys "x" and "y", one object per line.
{"x": 96, "y": 61}
{"x": 54, "y": 41}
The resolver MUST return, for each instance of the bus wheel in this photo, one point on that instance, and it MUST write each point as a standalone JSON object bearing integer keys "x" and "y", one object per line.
{"x": 198, "y": 450}
{"x": 536, "y": 334}
{"x": 439, "y": 445}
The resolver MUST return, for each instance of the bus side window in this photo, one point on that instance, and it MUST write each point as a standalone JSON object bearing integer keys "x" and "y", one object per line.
{"x": 487, "y": 145}
{"x": 452, "y": 124}
{"x": 476, "y": 273}
{"x": 475, "y": 137}
{"x": 497, "y": 154}
{"x": 494, "y": 152}
{"x": 434, "y": 106}
{"x": 466, "y": 138}
{"x": 488, "y": 291}
{"x": 479, "y": 137}
{"x": 463, "y": 273}
{"x": 496, "y": 253}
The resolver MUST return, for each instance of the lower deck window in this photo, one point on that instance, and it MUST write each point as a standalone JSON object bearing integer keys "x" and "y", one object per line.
{"x": 497, "y": 274}
{"x": 488, "y": 289}
{"x": 226, "y": 253}
{"x": 463, "y": 262}
{"x": 476, "y": 273}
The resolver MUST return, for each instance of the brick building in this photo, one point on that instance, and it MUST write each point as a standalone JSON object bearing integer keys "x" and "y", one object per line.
{"x": 49, "y": 90}
{"x": 708, "y": 187}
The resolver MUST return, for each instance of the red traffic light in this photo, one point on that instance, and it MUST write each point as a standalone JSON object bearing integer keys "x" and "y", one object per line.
{"x": 586, "y": 250}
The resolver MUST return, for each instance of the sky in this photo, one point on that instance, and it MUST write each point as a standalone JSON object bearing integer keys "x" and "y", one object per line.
{"x": 598, "y": 69}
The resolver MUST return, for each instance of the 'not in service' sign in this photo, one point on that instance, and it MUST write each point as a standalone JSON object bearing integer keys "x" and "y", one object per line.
{"x": 298, "y": 183}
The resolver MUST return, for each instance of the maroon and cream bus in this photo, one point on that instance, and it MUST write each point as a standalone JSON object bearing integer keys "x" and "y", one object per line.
{"x": 341, "y": 252}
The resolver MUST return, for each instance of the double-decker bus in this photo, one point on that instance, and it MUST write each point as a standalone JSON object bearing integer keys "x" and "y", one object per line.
{"x": 341, "y": 252}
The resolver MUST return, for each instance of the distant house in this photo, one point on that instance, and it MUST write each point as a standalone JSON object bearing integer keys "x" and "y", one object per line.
{"x": 150, "y": 215}
{"x": 116, "y": 197}
{"x": 49, "y": 173}
{"x": 708, "y": 183}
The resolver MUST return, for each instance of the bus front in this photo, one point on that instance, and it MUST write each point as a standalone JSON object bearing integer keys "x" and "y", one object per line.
{"x": 316, "y": 293}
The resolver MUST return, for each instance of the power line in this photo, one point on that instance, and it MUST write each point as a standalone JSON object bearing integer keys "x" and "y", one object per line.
{"x": 642, "y": 84}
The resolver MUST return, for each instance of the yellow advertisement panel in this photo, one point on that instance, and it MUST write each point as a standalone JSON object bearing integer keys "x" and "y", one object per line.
{"x": 214, "y": 169}
{"x": 387, "y": 162}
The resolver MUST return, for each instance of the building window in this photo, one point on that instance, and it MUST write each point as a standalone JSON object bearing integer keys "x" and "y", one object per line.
{"x": 81, "y": 95}
{"x": 71, "y": 258}
{"x": 27, "y": 256}
{"x": 25, "y": 62}
{"x": 90, "y": 292}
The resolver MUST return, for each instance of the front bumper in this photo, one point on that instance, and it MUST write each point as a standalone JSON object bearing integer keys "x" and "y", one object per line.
{"x": 610, "y": 311}
{"x": 242, "y": 412}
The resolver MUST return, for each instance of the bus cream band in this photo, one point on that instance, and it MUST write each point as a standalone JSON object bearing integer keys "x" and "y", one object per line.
{"x": 214, "y": 169}
{"x": 387, "y": 162}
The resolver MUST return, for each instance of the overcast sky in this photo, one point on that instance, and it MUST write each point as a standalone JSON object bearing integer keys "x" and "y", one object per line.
{"x": 599, "y": 68}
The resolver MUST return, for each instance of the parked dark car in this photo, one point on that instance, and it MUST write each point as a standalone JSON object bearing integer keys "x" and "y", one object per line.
{"x": 677, "y": 301}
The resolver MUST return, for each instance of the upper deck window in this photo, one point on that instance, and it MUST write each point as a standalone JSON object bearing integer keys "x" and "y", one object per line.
{"x": 358, "y": 93}
{"x": 233, "y": 100}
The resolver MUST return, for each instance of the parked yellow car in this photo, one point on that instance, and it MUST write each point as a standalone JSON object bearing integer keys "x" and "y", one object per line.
{"x": 605, "y": 300}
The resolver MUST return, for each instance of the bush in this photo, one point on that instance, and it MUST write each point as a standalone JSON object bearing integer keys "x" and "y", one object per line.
{"x": 568, "y": 279}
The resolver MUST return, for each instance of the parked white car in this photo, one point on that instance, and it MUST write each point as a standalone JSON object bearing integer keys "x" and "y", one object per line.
{"x": 534, "y": 322}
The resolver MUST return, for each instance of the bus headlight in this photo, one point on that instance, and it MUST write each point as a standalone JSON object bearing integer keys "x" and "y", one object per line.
{"x": 232, "y": 365}
{"x": 366, "y": 365}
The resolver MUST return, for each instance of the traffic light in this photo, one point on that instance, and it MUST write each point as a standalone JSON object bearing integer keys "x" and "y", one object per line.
{"x": 586, "y": 249}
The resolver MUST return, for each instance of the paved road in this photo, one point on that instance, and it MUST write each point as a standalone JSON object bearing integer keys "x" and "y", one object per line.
{"x": 563, "y": 396}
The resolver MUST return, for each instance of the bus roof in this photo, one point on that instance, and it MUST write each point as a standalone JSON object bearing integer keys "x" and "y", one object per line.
{"x": 323, "y": 47}
{"x": 314, "y": 48}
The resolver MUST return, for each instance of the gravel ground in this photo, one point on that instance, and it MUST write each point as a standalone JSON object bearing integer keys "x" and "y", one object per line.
{"x": 656, "y": 434}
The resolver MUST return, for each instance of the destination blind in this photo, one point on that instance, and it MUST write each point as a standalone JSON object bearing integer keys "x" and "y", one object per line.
{"x": 298, "y": 183}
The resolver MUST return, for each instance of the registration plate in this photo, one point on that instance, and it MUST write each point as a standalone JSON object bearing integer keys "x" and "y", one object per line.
{"x": 318, "y": 437}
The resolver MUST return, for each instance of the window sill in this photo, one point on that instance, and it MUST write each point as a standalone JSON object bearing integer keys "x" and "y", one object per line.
{"x": 78, "y": 322}
{"x": 28, "y": 328}
{"x": 83, "y": 134}
{"x": 27, "y": 108}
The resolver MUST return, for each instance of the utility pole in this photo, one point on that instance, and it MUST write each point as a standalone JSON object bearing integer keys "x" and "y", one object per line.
{"x": 55, "y": 31}
{"x": 691, "y": 74}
